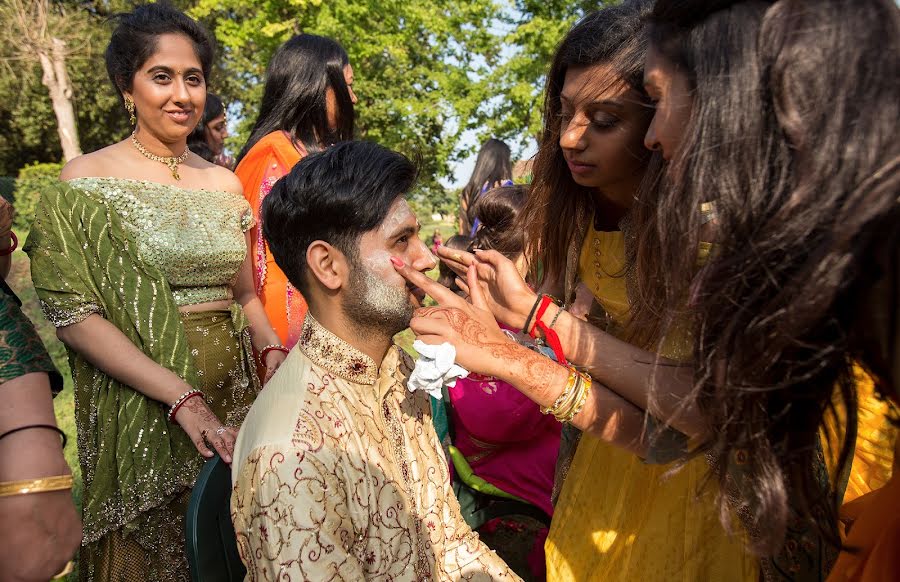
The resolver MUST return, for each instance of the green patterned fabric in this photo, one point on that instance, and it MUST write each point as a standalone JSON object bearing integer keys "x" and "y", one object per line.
{"x": 21, "y": 350}
{"x": 83, "y": 261}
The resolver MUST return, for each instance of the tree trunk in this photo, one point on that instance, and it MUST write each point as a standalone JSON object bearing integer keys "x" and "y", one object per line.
{"x": 57, "y": 82}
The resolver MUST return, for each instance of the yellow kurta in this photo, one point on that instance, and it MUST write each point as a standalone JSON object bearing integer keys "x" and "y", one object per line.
{"x": 873, "y": 457}
{"x": 339, "y": 475}
{"x": 619, "y": 519}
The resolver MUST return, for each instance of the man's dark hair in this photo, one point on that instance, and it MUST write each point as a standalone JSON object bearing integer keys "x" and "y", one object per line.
{"x": 335, "y": 196}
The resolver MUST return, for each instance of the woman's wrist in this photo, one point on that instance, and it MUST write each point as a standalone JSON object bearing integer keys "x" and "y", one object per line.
{"x": 268, "y": 350}
{"x": 525, "y": 306}
{"x": 535, "y": 375}
{"x": 31, "y": 455}
{"x": 262, "y": 339}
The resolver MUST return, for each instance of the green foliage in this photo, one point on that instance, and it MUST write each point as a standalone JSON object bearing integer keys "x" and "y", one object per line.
{"x": 412, "y": 62}
{"x": 511, "y": 108}
{"x": 28, "y": 131}
{"x": 32, "y": 180}
{"x": 427, "y": 71}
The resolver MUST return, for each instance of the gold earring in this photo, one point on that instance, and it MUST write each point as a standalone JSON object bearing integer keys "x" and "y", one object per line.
{"x": 129, "y": 106}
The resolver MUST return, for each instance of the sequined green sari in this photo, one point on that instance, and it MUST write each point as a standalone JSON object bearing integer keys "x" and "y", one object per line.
{"x": 137, "y": 466}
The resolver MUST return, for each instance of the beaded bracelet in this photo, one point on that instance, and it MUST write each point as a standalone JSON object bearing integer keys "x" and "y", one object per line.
{"x": 181, "y": 400}
{"x": 43, "y": 485}
{"x": 270, "y": 348}
{"x": 30, "y": 426}
{"x": 12, "y": 247}
{"x": 555, "y": 317}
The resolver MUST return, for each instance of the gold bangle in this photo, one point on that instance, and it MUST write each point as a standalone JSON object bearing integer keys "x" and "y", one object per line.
{"x": 580, "y": 402}
{"x": 570, "y": 403}
{"x": 46, "y": 484}
{"x": 567, "y": 391}
{"x": 65, "y": 571}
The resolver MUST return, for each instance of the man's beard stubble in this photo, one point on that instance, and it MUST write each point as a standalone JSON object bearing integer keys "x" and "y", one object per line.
{"x": 373, "y": 306}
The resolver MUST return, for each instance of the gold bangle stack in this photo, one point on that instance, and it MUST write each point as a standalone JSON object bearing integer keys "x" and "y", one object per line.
{"x": 572, "y": 399}
{"x": 567, "y": 391}
{"x": 44, "y": 485}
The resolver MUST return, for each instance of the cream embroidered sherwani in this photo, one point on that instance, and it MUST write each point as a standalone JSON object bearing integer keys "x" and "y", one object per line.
{"x": 339, "y": 475}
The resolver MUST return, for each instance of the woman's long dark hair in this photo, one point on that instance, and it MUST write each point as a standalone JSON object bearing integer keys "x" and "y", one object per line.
{"x": 557, "y": 207}
{"x": 493, "y": 164}
{"x": 297, "y": 80}
{"x": 793, "y": 137}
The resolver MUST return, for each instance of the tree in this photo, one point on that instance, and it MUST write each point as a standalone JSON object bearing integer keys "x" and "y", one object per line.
{"x": 426, "y": 70}
{"x": 413, "y": 63}
{"x": 38, "y": 31}
{"x": 533, "y": 29}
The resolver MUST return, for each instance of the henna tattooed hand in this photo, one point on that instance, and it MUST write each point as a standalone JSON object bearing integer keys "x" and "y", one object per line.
{"x": 273, "y": 361}
{"x": 481, "y": 346}
{"x": 205, "y": 429}
{"x": 506, "y": 295}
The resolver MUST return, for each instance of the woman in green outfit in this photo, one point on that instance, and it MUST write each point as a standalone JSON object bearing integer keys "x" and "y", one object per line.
{"x": 141, "y": 263}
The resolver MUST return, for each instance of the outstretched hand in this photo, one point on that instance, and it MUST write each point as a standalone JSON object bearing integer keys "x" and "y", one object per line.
{"x": 503, "y": 290}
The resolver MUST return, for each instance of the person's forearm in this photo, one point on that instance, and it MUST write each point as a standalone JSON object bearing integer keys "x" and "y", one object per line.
{"x": 261, "y": 332}
{"x": 104, "y": 346}
{"x": 31, "y": 453}
{"x": 660, "y": 386}
{"x": 606, "y": 415}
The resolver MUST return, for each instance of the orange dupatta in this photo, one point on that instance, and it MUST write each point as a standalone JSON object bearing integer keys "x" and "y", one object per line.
{"x": 268, "y": 160}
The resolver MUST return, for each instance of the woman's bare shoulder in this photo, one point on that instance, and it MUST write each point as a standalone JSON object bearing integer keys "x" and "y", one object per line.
{"x": 94, "y": 164}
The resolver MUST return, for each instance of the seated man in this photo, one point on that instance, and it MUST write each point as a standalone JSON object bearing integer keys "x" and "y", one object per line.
{"x": 338, "y": 473}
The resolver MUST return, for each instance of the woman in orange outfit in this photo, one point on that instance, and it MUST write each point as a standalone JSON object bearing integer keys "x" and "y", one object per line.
{"x": 307, "y": 105}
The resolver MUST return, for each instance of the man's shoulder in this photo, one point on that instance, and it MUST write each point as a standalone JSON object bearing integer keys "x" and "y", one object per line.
{"x": 281, "y": 409}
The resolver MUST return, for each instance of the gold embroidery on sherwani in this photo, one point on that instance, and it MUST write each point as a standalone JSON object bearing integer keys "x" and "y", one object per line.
{"x": 339, "y": 475}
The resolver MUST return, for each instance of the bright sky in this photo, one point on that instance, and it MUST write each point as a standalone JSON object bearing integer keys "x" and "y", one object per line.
{"x": 462, "y": 170}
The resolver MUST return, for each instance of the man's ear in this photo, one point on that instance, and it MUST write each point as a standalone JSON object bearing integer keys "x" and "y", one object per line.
{"x": 328, "y": 265}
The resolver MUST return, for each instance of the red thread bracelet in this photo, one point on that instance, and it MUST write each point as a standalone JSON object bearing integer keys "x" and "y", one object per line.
{"x": 15, "y": 244}
{"x": 549, "y": 335}
{"x": 180, "y": 404}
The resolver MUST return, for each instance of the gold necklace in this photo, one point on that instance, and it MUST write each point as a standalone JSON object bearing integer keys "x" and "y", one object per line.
{"x": 171, "y": 162}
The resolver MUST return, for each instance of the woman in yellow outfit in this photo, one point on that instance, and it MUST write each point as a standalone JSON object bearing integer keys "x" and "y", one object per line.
{"x": 642, "y": 522}
{"x": 620, "y": 515}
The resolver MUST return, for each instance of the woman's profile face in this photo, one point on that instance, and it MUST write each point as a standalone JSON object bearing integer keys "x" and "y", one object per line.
{"x": 602, "y": 125}
{"x": 670, "y": 90}
{"x": 331, "y": 107}
{"x": 169, "y": 89}
{"x": 216, "y": 131}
